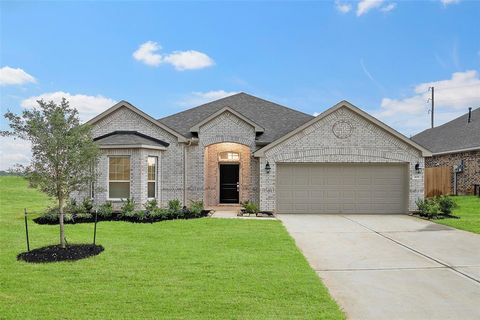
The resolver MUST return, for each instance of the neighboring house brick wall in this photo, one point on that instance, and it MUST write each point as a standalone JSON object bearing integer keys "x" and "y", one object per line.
{"x": 171, "y": 162}
{"x": 465, "y": 179}
{"x": 318, "y": 143}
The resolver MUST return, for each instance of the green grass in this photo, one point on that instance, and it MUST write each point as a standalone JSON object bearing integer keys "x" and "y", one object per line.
{"x": 468, "y": 211}
{"x": 184, "y": 269}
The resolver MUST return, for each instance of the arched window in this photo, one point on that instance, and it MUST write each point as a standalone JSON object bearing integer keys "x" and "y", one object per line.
{"x": 229, "y": 156}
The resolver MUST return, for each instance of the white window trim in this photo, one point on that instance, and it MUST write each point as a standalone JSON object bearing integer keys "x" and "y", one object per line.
{"x": 156, "y": 177}
{"x": 108, "y": 178}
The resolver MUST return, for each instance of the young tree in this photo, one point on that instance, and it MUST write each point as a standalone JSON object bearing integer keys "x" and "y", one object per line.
{"x": 63, "y": 152}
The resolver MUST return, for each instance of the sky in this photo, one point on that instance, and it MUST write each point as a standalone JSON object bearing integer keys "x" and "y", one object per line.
{"x": 165, "y": 57}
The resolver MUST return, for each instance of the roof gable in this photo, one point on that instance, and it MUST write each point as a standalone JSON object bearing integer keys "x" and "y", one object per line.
{"x": 196, "y": 127}
{"x": 125, "y": 104}
{"x": 351, "y": 107}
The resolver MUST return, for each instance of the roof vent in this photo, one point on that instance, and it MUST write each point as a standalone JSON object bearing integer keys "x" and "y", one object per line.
{"x": 469, "y": 114}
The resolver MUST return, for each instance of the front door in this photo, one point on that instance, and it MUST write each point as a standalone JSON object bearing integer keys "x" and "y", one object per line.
{"x": 229, "y": 183}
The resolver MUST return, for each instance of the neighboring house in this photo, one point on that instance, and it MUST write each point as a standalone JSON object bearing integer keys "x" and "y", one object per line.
{"x": 244, "y": 148}
{"x": 452, "y": 144}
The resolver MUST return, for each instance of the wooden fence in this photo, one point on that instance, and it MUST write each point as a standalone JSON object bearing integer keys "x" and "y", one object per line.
{"x": 438, "y": 181}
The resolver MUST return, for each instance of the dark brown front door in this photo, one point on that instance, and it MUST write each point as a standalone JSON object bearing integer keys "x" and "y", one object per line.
{"x": 229, "y": 183}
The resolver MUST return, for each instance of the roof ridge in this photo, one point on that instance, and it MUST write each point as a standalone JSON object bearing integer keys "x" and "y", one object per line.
{"x": 203, "y": 104}
{"x": 280, "y": 105}
{"x": 446, "y": 123}
{"x": 233, "y": 95}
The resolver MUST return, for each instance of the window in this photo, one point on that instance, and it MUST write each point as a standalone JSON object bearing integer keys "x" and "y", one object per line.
{"x": 119, "y": 177}
{"x": 152, "y": 177}
{"x": 229, "y": 156}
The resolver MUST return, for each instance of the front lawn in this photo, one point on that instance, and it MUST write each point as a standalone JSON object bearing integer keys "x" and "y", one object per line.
{"x": 468, "y": 211}
{"x": 184, "y": 269}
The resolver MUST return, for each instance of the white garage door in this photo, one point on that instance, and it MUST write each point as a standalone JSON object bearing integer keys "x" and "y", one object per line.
{"x": 341, "y": 188}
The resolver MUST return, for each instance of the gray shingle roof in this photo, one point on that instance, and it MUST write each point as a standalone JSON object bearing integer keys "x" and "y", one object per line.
{"x": 455, "y": 135}
{"x": 276, "y": 119}
{"x": 117, "y": 138}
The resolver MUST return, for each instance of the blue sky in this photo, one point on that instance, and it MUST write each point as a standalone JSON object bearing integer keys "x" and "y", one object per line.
{"x": 380, "y": 55}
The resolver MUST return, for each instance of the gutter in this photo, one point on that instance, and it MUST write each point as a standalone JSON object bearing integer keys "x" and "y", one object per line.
{"x": 456, "y": 151}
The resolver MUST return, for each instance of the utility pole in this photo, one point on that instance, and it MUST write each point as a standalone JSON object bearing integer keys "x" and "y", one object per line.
{"x": 433, "y": 102}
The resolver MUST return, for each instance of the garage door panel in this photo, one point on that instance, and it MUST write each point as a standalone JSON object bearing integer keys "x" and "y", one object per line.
{"x": 341, "y": 188}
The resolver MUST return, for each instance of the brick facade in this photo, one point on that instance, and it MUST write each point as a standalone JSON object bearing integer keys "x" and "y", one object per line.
{"x": 189, "y": 170}
{"x": 470, "y": 174}
{"x": 170, "y": 162}
{"x": 342, "y": 136}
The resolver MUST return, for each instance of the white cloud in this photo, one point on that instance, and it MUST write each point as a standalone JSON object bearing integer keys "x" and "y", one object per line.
{"x": 342, "y": 6}
{"x": 87, "y": 106}
{"x": 11, "y": 76}
{"x": 366, "y": 5}
{"x": 198, "y": 98}
{"x": 14, "y": 151}
{"x": 452, "y": 98}
{"x": 316, "y": 114}
{"x": 186, "y": 60}
{"x": 389, "y": 7}
{"x": 149, "y": 53}
{"x": 447, "y": 2}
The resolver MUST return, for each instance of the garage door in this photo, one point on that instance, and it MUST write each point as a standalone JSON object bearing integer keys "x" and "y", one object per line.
{"x": 341, "y": 188}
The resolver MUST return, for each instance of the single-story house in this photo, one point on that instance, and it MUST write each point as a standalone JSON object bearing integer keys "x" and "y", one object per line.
{"x": 455, "y": 144}
{"x": 243, "y": 148}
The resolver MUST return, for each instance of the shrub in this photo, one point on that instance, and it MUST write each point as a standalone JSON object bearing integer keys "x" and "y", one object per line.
{"x": 446, "y": 204}
{"x": 137, "y": 215}
{"x": 196, "y": 208}
{"x": 151, "y": 205}
{"x": 105, "y": 210}
{"x": 128, "y": 206}
{"x": 51, "y": 215}
{"x": 83, "y": 216}
{"x": 74, "y": 208}
{"x": 87, "y": 204}
{"x": 159, "y": 214}
{"x": 67, "y": 218}
{"x": 250, "y": 207}
{"x": 428, "y": 207}
{"x": 174, "y": 205}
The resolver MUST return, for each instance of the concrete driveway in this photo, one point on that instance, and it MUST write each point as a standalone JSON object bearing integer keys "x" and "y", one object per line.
{"x": 392, "y": 266}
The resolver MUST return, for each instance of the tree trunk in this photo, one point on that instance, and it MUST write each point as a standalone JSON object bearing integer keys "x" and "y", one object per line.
{"x": 61, "y": 204}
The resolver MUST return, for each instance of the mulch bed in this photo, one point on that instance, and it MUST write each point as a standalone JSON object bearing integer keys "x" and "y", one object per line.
{"x": 436, "y": 217}
{"x": 56, "y": 253}
{"x": 116, "y": 217}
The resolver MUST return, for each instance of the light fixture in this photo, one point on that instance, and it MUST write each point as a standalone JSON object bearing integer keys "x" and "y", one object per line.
{"x": 267, "y": 167}
{"x": 418, "y": 169}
